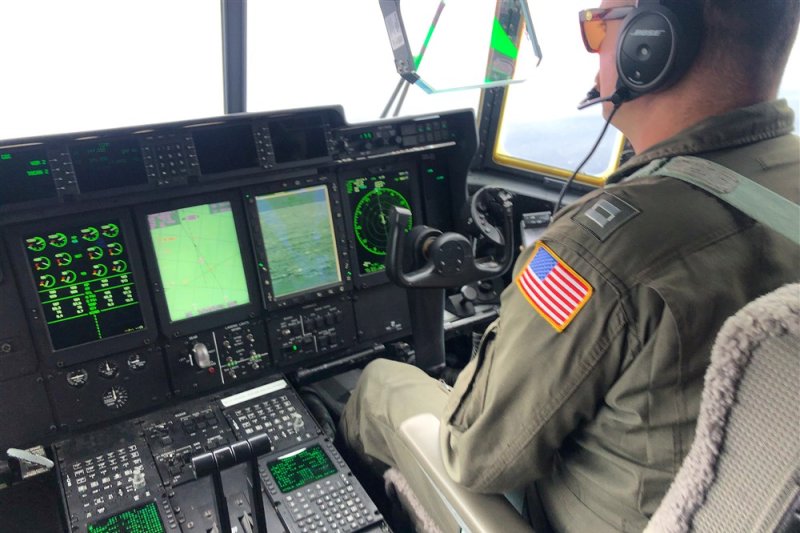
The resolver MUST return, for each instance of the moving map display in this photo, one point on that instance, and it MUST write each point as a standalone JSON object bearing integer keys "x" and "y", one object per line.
{"x": 371, "y": 198}
{"x": 84, "y": 282}
{"x": 198, "y": 257}
{"x": 297, "y": 232}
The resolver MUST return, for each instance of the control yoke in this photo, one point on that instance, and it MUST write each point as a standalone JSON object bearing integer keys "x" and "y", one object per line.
{"x": 426, "y": 261}
{"x": 444, "y": 260}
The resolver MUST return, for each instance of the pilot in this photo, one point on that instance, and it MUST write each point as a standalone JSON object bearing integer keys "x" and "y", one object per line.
{"x": 586, "y": 390}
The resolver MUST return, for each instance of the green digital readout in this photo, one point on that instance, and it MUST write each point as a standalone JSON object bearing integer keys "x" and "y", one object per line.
{"x": 297, "y": 232}
{"x": 371, "y": 198}
{"x": 25, "y": 175}
{"x": 144, "y": 519}
{"x": 199, "y": 260}
{"x": 84, "y": 281}
{"x": 299, "y": 469}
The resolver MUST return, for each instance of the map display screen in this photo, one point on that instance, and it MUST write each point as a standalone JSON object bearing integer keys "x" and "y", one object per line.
{"x": 198, "y": 257}
{"x": 84, "y": 282}
{"x": 297, "y": 232}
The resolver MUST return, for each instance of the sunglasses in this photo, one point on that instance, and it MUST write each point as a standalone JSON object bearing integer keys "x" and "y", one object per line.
{"x": 593, "y": 24}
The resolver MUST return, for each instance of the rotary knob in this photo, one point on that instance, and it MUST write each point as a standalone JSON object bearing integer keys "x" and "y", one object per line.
{"x": 201, "y": 356}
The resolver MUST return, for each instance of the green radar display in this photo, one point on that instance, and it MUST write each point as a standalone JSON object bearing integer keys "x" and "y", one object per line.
{"x": 198, "y": 257}
{"x": 371, "y": 198}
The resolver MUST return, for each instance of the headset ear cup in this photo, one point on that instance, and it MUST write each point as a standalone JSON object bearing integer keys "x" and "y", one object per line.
{"x": 655, "y": 48}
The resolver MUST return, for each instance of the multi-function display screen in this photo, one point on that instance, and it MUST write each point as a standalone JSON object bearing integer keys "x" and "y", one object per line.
{"x": 142, "y": 519}
{"x": 199, "y": 261}
{"x": 371, "y": 198}
{"x": 300, "y": 469}
{"x": 298, "y": 235}
{"x": 25, "y": 175}
{"x": 85, "y": 283}
{"x": 101, "y": 165}
{"x": 298, "y": 139}
{"x": 225, "y": 148}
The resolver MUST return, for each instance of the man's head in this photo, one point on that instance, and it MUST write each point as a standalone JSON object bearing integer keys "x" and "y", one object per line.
{"x": 740, "y": 58}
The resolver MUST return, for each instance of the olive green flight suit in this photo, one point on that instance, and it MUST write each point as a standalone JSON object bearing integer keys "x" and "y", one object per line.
{"x": 600, "y": 415}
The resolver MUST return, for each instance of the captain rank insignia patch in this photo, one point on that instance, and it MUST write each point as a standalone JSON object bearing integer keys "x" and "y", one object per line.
{"x": 556, "y": 291}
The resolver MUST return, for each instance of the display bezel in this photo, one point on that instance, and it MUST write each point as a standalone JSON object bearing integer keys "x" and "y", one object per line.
{"x": 217, "y": 128}
{"x": 27, "y": 203}
{"x": 33, "y": 306}
{"x": 343, "y": 257}
{"x": 222, "y": 317}
{"x": 81, "y": 143}
{"x": 372, "y": 279}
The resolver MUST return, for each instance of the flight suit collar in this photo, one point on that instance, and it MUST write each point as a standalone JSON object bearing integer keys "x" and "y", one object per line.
{"x": 742, "y": 126}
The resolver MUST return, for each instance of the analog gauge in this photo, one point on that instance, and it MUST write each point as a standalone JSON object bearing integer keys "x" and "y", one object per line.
{"x": 114, "y": 248}
{"x": 136, "y": 362}
{"x": 371, "y": 218}
{"x": 116, "y": 397}
{"x": 108, "y": 369}
{"x": 95, "y": 252}
{"x": 47, "y": 281}
{"x": 59, "y": 240}
{"x": 78, "y": 378}
{"x": 110, "y": 230}
{"x": 35, "y": 244}
{"x": 63, "y": 259}
{"x": 41, "y": 263}
{"x": 90, "y": 234}
{"x": 68, "y": 276}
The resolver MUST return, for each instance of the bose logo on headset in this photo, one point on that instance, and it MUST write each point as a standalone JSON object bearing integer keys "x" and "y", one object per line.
{"x": 657, "y": 44}
{"x": 648, "y": 33}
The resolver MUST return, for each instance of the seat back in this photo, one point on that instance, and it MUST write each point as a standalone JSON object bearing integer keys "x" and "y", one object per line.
{"x": 742, "y": 472}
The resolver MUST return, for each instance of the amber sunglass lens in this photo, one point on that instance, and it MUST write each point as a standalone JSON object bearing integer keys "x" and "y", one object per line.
{"x": 594, "y": 31}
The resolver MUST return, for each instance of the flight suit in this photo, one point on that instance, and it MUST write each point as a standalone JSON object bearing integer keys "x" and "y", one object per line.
{"x": 597, "y": 403}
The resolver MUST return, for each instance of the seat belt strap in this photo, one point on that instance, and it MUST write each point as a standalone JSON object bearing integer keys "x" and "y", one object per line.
{"x": 752, "y": 199}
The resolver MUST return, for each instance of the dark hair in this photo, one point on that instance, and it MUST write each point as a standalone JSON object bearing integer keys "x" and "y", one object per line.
{"x": 750, "y": 39}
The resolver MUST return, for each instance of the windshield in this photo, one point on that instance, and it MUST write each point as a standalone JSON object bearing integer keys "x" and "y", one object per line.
{"x": 97, "y": 64}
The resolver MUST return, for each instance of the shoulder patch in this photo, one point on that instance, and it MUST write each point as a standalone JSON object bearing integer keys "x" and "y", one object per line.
{"x": 556, "y": 291}
{"x": 604, "y": 215}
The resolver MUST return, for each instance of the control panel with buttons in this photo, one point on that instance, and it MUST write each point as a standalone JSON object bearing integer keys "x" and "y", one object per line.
{"x": 221, "y": 356}
{"x": 312, "y": 330}
{"x": 313, "y": 490}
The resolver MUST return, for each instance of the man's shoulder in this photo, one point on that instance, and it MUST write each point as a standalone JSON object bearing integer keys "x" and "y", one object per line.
{"x": 639, "y": 225}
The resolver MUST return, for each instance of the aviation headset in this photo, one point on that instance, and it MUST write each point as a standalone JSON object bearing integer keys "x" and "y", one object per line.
{"x": 657, "y": 44}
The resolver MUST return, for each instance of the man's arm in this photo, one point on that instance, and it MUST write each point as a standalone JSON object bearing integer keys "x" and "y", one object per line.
{"x": 531, "y": 385}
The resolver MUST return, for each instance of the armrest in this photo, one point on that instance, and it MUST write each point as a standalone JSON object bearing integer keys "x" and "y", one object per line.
{"x": 473, "y": 512}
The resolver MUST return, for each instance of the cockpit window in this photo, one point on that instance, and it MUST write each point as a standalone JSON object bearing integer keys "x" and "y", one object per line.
{"x": 318, "y": 52}
{"x": 74, "y": 66}
{"x": 541, "y": 129}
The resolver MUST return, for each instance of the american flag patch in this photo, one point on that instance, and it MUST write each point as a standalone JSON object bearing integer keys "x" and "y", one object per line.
{"x": 555, "y": 290}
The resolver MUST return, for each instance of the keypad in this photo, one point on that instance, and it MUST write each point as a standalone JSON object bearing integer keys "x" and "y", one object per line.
{"x": 276, "y": 416}
{"x": 106, "y": 479}
{"x": 330, "y": 505}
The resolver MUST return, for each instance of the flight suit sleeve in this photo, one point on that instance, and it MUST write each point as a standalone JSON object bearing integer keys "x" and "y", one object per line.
{"x": 530, "y": 385}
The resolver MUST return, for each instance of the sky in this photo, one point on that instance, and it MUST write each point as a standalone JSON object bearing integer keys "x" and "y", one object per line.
{"x": 90, "y": 64}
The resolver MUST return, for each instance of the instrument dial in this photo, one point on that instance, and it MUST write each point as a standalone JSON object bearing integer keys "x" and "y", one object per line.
{"x": 108, "y": 369}
{"x": 136, "y": 362}
{"x": 77, "y": 378}
{"x": 116, "y": 397}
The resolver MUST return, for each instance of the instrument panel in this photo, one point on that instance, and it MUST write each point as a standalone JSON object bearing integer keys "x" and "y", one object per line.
{"x": 146, "y": 265}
